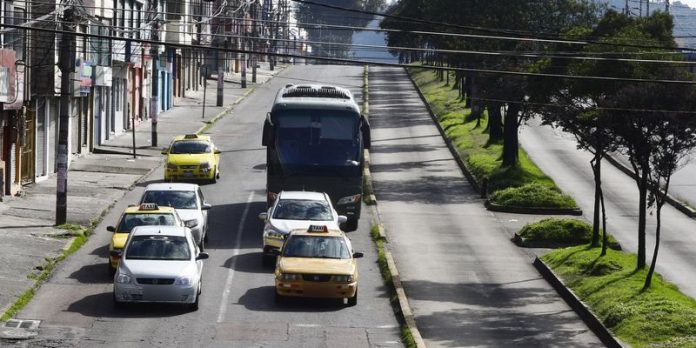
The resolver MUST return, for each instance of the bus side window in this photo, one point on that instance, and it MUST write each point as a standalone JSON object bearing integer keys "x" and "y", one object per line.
{"x": 267, "y": 138}
{"x": 365, "y": 130}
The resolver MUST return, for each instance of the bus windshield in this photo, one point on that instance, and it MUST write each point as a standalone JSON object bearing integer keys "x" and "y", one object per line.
{"x": 311, "y": 137}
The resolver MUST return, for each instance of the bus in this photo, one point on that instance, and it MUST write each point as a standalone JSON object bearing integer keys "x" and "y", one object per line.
{"x": 314, "y": 137}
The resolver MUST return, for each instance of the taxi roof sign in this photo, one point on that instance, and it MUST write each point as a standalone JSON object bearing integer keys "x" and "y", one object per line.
{"x": 149, "y": 206}
{"x": 318, "y": 229}
{"x": 191, "y": 136}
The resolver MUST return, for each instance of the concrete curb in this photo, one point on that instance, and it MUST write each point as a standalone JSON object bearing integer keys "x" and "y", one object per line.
{"x": 529, "y": 210}
{"x": 404, "y": 308}
{"x": 578, "y": 306}
{"x": 690, "y": 212}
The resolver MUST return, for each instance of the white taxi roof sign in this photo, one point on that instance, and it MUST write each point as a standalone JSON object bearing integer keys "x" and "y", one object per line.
{"x": 191, "y": 136}
{"x": 148, "y": 206}
{"x": 318, "y": 229}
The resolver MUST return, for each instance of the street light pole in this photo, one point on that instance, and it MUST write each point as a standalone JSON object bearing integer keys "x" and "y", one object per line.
{"x": 205, "y": 88}
{"x": 154, "y": 100}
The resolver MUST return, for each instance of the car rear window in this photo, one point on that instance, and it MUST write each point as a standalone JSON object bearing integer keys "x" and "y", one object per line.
{"x": 174, "y": 199}
{"x": 302, "y": 209}
{"x": 194, "y": 147}
{"x": 132, "y": 220}
{"x": 158, "y": 248}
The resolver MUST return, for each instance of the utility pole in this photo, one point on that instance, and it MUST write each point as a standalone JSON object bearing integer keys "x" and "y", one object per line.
{"x": 67, "y": 62}
{"x": 243, "y": 42}
{"x": 255, "y": 34}
{"x": 154, "y": 52}
{"x": 205, "y": 87}
{"x": 667, "y": 6}
{"x": 220, "y": 78}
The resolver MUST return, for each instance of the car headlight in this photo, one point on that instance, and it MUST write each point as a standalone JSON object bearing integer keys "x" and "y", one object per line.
{"x": 124, "y": 278}
{"x": 344, "y": 278}
{"x": 289, "y": 277}
{"x": 349, "y": 200}
{"x": 184, "y": 281}
{"x": 205, "y": 165}
{"x": 172, "y": 166}
{"x": 272, "y": 233}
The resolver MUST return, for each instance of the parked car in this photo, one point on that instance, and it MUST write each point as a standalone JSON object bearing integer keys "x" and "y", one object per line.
{"x": 189, "y": 203}
{"x": 160, "y": 264}
{"x": 317, "y": 262}
{"x": 295, "y": 210}
{"x": 143, "y": 214}
{"x": 192, "y": 157}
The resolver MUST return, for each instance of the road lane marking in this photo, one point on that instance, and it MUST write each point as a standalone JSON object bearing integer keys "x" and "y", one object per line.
{"x": 235, "y": 252}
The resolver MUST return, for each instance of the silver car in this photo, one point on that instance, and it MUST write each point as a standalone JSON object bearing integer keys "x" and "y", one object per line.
{"x": 293, "y": 210}
{"x": 189, "y": 203}
{"x": 160, "y": 264}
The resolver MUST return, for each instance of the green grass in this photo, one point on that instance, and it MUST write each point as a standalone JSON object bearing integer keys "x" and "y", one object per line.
{"x": 565, "y": 231}
{"x": 406, "y": 336}
{"x": 532, "y": 195}
{"x": 482, "y": 159}
{"x": 81, "y": 235}
{"x": 658, "y": 317}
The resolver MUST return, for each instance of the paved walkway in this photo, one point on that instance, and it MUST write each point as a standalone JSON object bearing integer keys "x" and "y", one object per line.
{"x": 95, "y": 182}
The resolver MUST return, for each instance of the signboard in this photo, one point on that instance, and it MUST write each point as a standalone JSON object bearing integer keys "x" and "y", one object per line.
{"x": 103, "y": 76}
{"x": 8, "y": 78}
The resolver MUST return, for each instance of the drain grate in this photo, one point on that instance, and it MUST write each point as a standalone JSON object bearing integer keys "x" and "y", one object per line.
{"x": 23, "y": 324}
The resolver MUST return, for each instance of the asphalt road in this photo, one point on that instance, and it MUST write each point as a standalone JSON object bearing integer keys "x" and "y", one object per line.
{"x": 467, "y": 283}
{"x": 236, "y": 308}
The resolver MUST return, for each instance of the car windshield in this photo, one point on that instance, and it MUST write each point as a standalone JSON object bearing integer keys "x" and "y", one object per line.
{"x": 302, "y": 209}
{"x": 130, "y": 220}
{"x": 316, "y": 247}
{"x": 193, "y": 147}
{"x": 174, "y": 199}
{"x": 158, "y": 248}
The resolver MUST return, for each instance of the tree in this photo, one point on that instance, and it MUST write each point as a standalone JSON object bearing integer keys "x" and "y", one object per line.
{"x": 315, "y": 16}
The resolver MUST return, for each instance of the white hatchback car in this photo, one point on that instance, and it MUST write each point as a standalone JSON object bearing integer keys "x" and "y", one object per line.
{"x": 189, "y": 203}
{"x": 160, "y": 264}
{"x": 293, "y": 210}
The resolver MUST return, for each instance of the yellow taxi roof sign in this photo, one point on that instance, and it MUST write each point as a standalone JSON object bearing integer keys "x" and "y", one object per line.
{"x": 191, "y": 136}
{"x": 318, "y": 229}
{"x": 149, "y": 206}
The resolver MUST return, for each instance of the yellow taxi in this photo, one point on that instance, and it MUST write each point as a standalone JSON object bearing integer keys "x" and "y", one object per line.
{"x": 192, "y": 157}
{"x": 317, "y": 262}
{"x": 140, "y": 215}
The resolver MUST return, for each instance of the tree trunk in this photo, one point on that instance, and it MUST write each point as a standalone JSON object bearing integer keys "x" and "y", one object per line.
{"x": 468, "y": 86}
{"x": 596, "y": 164}
{"x": 642, "y": 210}
{"x": 495, "y": 122}
{"x": 604, "y": 223}
{"x": 648, "y": 277}
{"x": 510, "y": 136}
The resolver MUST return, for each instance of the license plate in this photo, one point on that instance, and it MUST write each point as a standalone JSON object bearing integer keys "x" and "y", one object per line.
{"x": 188, "y": 173}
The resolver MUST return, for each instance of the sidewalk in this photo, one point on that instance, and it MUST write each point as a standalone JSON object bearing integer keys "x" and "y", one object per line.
{"x": 97, "y": 180}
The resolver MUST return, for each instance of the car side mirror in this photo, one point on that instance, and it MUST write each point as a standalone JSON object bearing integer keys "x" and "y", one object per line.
{"x": 115, "y": 253}
{"x": 111, "y": 228}
{"x": 263, "y": 216}
{"x": 202, "y": 256}
{"x": 267, "y": 138}
{"x": 217, "y": 151}
{"x": 191, "y": 223}
{"x": 342, "y": 219}
{"x": 164, "y": 152}
{"x": 206, "y": 206}
{"x": 357, "y": 255}
{"x": 275, "y": 252}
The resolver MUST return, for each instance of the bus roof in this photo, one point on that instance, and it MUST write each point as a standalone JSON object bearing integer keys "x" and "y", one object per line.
{"x": 315, "y": 97}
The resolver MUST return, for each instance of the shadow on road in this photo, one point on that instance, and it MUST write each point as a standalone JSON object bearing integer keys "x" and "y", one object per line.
{"x": 93, "y": 274}
{"x": 249, "y": 263}
{"x": 102, "y": 305}
{"x": 262, "y": 299}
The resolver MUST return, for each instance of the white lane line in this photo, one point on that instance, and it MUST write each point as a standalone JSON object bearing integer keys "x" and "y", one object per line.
{"x": 235, "y": 252}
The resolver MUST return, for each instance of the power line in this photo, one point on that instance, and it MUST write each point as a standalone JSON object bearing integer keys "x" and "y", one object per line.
{"x": 356, "y": 61}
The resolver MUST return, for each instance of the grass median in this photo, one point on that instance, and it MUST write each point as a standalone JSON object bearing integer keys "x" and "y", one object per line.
{"x": 524, "y": 185}
{"x": 611, "y": 287}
